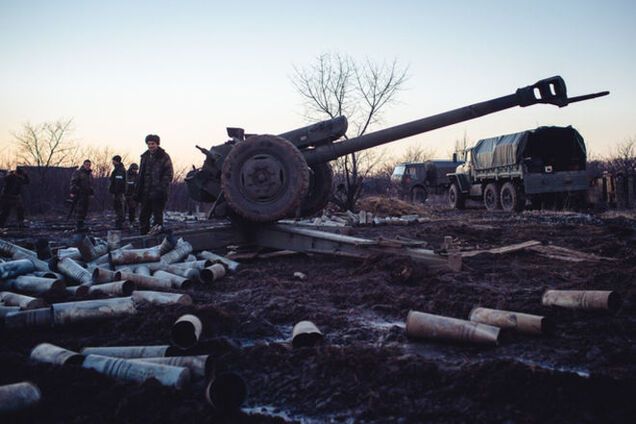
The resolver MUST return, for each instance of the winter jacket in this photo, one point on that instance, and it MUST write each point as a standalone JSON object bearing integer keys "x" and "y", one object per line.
{"x": 82, "y": 182}
{"x": 131, "y": 182}
{"x": 155, "y": 175}
{"x": 13, "y": 183}
{"x": 117, "y": 183}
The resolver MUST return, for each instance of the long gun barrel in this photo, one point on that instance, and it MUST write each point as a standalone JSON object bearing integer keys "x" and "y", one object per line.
{"x": 549, "y": 90}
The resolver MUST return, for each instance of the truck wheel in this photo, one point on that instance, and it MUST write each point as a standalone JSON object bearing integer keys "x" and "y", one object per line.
{"x": 456, "y": 198}
{"x": 512, "y": 198}
{"x": 419, "y": 194}
{"x": 491, "y": 197}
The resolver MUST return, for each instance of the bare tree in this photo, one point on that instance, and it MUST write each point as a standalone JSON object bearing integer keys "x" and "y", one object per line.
{"x": 180, "y": 173}
{"x": 7, "y": 159}
{"x": 337, "y": 85}
{"x": 412, "y": 154}
{"x": 101, "y": 159}
{"x": 461, "y": 144}
{"x": 46, "y": 144}
{"x": 623, "y": 158}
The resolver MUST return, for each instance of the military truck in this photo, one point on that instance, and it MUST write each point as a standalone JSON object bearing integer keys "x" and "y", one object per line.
{"x": 546, "y": 165}
{"x": 415, "y": 181}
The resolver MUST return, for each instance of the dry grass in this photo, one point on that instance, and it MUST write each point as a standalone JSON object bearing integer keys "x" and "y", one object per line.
{"x": 390, "y": 206}
{"x": 629, "y": 214}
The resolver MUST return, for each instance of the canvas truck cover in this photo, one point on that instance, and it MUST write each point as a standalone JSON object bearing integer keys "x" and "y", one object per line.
{"x": 562, "y": 144}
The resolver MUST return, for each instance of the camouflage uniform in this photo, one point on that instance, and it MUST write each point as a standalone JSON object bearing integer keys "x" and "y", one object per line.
{"x": 131, "y": 181}
{"x": 11, "y": 196}
{"x": 117, "y": 188}
{"x": 81, "y": 190}
{"x": 155, "y": 175}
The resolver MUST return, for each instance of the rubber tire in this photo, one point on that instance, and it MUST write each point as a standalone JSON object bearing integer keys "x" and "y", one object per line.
{"x": 295, "y": 167}
{"x": 517, "y": 198}
{"x": 491, "y": 197}
{"x": 319, "y": 192}
{"x": 419, "y": 194}
{"x": 456, "y": 198}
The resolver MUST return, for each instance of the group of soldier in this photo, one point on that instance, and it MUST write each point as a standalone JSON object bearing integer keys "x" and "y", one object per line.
{"x": 145, "y": 186}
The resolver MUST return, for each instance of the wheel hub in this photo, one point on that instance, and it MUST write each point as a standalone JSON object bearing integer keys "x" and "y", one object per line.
{"x": 263, "y": 178}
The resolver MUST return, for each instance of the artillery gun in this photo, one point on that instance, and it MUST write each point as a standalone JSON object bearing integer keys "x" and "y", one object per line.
{"x": 263, "y": 178}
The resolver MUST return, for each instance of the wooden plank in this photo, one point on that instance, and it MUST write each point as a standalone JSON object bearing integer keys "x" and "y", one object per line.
{"x": 311, "y": 241}
{"x": 338, "y": 238}
{"x": 215, "y": 237}
{"x": 504, "y": 249}
{"x": 565, "y": 254}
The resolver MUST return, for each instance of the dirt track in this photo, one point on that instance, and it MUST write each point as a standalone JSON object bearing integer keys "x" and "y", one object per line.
{"x": 367, "y": 370}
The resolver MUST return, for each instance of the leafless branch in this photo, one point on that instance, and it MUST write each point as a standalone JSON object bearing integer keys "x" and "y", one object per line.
{"x": 336, "y": 85}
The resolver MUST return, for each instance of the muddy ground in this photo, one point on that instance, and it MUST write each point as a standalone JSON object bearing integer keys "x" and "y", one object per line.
{"x": 367, "y": 370}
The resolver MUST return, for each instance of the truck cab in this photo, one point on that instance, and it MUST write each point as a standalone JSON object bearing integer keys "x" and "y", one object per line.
{"x": 416, "y": 180}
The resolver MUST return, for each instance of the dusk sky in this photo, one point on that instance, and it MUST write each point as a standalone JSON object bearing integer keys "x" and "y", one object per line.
{"x": 185, "y": 70}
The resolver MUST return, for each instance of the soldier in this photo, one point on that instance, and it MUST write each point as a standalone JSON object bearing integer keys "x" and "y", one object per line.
{"x": 12, "y": 196}
{"x": 81, "y": 191}
{"x": 117, "y": 187}
{"x": 131, "y": 181}
{"x": 155, "y": 175}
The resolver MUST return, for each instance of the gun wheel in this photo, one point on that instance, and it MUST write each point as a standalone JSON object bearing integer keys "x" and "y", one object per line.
{"x": 319, "y": 193}
{"x": 264, "y": 178}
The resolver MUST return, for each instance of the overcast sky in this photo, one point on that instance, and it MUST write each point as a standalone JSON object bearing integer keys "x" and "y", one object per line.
{"x": 185, "y": 69}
